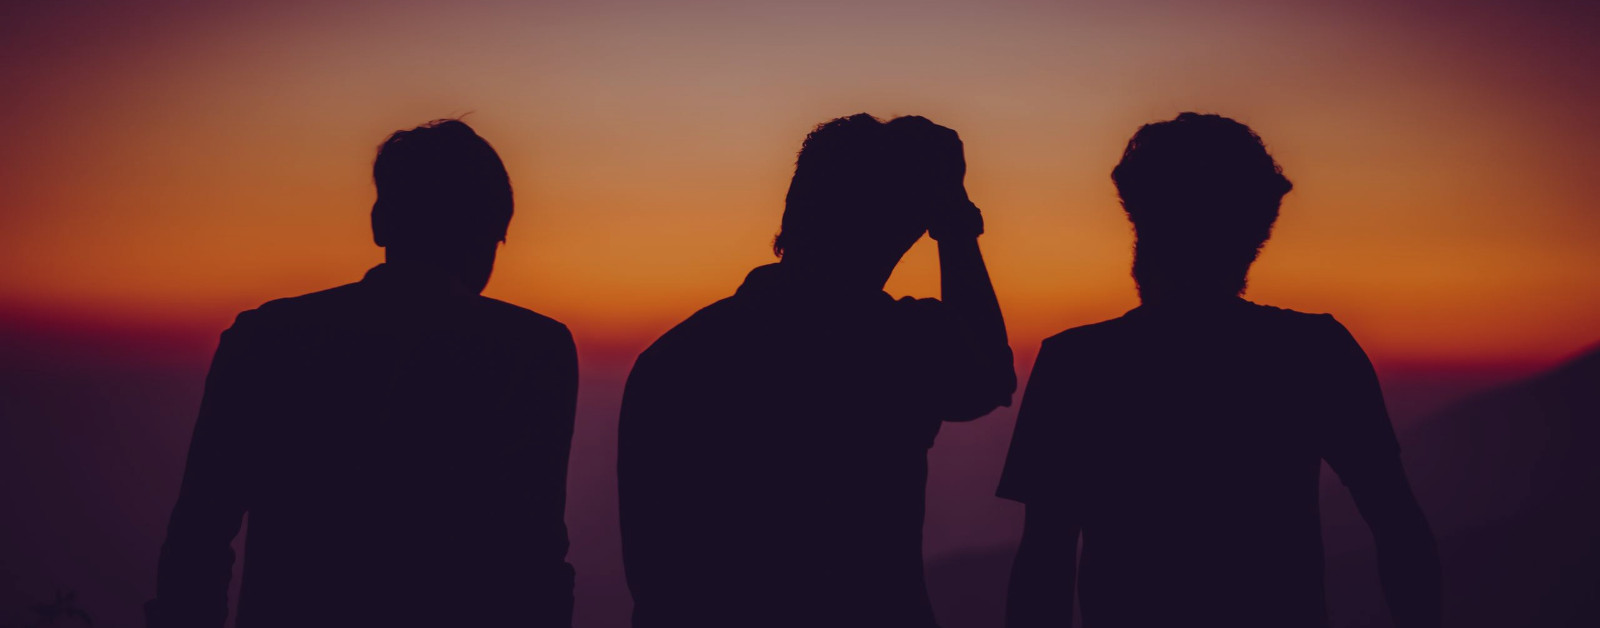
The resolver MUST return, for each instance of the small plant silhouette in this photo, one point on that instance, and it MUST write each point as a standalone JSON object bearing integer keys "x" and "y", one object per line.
{"x": 61, "y": 612}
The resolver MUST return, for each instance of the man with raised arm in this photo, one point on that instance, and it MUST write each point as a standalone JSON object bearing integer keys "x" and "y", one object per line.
{"x": 773, "y": 447}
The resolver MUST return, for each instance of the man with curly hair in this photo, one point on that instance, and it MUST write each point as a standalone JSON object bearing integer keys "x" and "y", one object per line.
{"x": 1183, "y": 440}
{"x": 773, "y": 447}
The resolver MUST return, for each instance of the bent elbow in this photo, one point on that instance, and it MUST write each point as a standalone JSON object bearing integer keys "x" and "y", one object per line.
{"x": 993, "y": 391}
{"x": 1002, "y": 389}
{"x": 975, "y": 408}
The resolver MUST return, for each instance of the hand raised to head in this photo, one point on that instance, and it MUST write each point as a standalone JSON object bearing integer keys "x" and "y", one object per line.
{"x": 932, "y": 166}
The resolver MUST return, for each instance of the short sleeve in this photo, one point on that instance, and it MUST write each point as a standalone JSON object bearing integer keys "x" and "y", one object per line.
{"x": 1033, "y": 468}
{"x": 1357, "y": 436}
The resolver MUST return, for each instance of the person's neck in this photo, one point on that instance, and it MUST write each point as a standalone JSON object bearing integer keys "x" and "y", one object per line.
{"x": 1169, "y": 298}
{"x": 835, "y": 276}
{"x": 427, "y": 272}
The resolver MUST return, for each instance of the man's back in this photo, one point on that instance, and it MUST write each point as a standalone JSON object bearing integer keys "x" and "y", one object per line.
{"x": 400, "y": 446}
{"x": 774, "y": 456}
{"x": 1188, "y": 442}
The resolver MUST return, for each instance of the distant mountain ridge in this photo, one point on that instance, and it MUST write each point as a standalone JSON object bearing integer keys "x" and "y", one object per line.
{"x": 1511, "y": 481}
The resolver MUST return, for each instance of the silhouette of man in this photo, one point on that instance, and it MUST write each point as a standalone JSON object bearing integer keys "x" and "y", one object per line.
{"x": 1184, "y": 439}
{"x": 773, "y": 447}
{"x": 400, "y": 443}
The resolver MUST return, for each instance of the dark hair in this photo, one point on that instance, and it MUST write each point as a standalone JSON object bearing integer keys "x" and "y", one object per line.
{"x": 1203, "y": 193}
{"x": 439, "y": 181}
{"x": 839, "y": 193}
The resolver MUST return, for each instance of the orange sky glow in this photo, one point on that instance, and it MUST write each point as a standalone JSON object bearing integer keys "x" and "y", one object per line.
{"x": 174, "y": 167}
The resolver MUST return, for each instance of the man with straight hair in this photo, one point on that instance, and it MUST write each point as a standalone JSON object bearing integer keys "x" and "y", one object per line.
{"x": 773, "y": 454}
{"x": 400, "y": 443}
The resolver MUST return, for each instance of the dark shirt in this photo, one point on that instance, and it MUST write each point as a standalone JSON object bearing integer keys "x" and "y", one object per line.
{"x": 773, "y": 455}
{"x": 400, "y": 445}
{"x": 1188, "y": 443}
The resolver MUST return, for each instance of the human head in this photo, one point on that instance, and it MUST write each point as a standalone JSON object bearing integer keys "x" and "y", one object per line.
{"x": 444, "y": 200}
{"x": 846, "y": 205}
{"x": 1202, "y": 193}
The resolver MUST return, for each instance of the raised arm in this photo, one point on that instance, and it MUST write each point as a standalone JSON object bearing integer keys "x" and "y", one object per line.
{"x": 966, "y": 290}
{"x": 938, "y": 169}
{"x": 1360, "y": 446}
{"x": 197, "y": 558}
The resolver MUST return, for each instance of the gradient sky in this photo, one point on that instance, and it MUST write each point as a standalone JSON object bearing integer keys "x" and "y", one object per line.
{"x": 172, "y": 163}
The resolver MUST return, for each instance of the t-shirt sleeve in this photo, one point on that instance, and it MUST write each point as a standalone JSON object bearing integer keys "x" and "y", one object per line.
{"x": 1034, "y": 466}
{"x": 1358, "y": 439}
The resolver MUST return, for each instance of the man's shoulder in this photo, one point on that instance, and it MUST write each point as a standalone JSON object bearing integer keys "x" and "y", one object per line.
{"x": 1293, "y": 328}
{"x": 1091, "y": 334}
{"x": 1286, "y": 316}
{"x": 708, "y": 323}
{"x": 1121, "y": 328}
{"x": 292, "y": 311}
{"x": 352, "y": 303}
{"x": 520, "y": 319}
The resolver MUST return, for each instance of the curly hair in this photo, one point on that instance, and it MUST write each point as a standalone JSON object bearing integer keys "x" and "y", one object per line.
{"x": 838, "y": 191}
{"x": 1203, "y": 194}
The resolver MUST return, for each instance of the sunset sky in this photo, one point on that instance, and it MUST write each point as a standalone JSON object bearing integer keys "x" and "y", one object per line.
{"x": 166, "y": 164}
{"x": 169, "y": 164}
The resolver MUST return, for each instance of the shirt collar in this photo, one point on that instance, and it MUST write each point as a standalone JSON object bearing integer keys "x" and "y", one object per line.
{"x": 413, "y": 279}
{"x": 1191, "y": 307}
{"x": 777, "y": 280}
